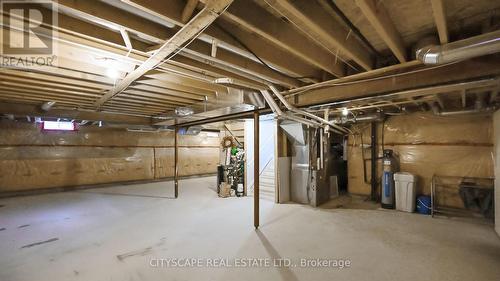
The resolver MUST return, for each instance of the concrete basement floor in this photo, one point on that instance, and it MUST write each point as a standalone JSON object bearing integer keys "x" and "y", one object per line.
{"x": 113, "y": 233}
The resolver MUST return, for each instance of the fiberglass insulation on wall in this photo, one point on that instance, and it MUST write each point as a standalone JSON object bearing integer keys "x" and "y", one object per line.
{"x": 31, "y": 159}
{"x": 427, "y": 145}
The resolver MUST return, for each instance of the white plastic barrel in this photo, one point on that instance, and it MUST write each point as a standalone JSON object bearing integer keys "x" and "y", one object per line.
{"x": 406, "y": 194}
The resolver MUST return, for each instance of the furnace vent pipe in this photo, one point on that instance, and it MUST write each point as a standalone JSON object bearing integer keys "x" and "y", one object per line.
{"x": 280, "y": 114}
{"x": 305, "y": 113}
{"x": 485, "y": 44}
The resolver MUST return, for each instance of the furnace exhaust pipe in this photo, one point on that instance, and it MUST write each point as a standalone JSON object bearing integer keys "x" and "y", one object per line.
{"x": 305, "y": 113}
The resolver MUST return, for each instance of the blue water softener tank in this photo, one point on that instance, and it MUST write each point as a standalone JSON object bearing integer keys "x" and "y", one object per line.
{"x": 391, "y": 166}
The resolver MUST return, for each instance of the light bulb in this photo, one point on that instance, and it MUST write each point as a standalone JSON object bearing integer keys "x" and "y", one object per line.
{"x": 345, "y": 111}
{"x": 112, "y": 73}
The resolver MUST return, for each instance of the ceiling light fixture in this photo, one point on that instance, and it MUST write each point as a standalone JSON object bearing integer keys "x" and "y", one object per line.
{"x": 112, "y": 73}
{"x": 345, "y": 111}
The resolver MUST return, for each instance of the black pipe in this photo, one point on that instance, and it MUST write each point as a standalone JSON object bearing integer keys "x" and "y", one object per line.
{"x": 373, "y": 193}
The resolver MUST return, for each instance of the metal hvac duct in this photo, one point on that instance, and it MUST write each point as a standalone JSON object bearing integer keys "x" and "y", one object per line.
{"x": 479, "y": 107}
{"x": 295, "y": 131}
{"x": 375, "y": 117}
{"x": 485, "y": 44}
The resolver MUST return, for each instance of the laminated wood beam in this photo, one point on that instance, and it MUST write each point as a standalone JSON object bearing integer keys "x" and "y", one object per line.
{"x": 487, "y": 66}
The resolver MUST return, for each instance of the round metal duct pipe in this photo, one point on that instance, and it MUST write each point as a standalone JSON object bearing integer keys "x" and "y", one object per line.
{"x": 481, "y": 45}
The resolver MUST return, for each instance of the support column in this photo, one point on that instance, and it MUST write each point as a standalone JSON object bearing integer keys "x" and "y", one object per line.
{"x": 256, "y": 170}
{"x": 176, "y": 163}
{"x": 374, "y": 154}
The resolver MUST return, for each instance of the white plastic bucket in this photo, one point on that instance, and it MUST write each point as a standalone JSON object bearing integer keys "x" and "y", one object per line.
{"x": 406, "y": 194}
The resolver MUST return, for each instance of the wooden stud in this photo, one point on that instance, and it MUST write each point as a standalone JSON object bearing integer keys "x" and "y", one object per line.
{"x": 256, "y": 169}
{"x": 176, "y": 162}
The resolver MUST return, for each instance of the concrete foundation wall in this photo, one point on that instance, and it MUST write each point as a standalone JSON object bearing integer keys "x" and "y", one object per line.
{"x": 32, "y": 159}
{"x": 496, "y": 125}
{"x": 427, "y": 145}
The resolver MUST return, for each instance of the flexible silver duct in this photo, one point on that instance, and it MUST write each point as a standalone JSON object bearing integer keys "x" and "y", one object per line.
{"x": 485, "y": 44}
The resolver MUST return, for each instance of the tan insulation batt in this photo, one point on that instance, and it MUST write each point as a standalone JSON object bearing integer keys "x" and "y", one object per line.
{"x": 427, "y": 145}
{"x": 31, "y": 159}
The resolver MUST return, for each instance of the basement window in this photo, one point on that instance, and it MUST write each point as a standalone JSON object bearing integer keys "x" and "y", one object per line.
{"x": 59, "y": 126}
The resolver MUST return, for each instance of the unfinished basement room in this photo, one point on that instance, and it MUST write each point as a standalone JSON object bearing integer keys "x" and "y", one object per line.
{"x": 250, "y": 140}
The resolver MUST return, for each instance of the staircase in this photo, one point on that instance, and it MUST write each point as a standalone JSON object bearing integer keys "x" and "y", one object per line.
{"x": 266, "y": 182}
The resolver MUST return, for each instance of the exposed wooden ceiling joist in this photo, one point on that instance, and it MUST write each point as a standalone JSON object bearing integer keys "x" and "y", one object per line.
{"x": 381, "y": 22}
{"x": 242, "y": 64}
{"x": 311, "y": 18}
{"x": 137, "y": 56}
{"x": 159, "y": 33}
{"x": 20, "y": 94}
{"x": 277, "y": 57}
{"x": 191, "y": 30}
{"x": 34, "y": 100}
{"x": 440, "y": 18}
{"x": 164, "y": 77}
{"x": 33, "y": 83}
{"x": 51, "y": 78}
{"x": 256, "y": 19}
{"x": 188, "y": 10}
{"x": 287, "y": 43}
{"x": 30, "y": 110}
{"x": 463, "y": 94}
{"x": 186, "y": 88}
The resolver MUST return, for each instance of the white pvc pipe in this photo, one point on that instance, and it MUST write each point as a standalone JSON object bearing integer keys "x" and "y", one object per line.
{"x": 305, "y": 113}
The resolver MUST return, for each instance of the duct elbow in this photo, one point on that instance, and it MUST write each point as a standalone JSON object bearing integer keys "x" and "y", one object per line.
{"x": 430, "y": 55}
